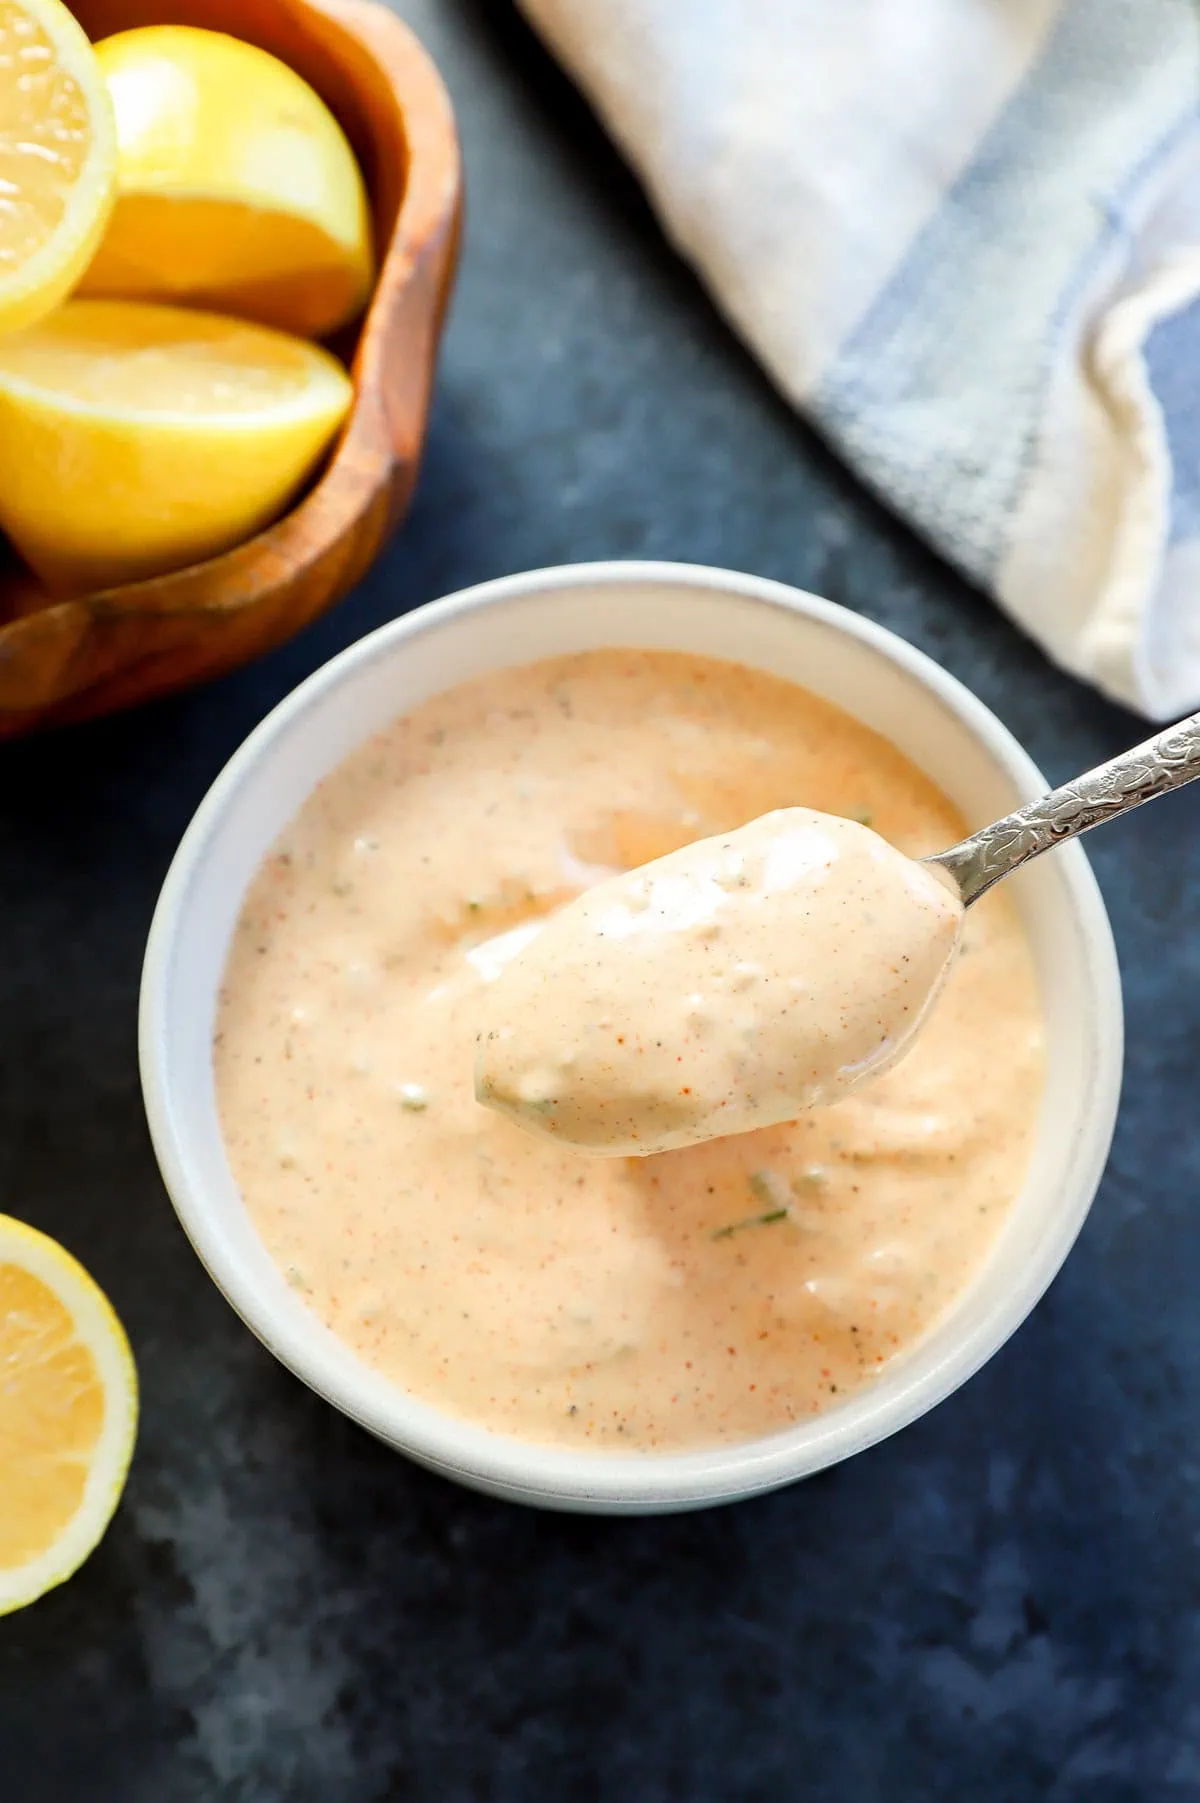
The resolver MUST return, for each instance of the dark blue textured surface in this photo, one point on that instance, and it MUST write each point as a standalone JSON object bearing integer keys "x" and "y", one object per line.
{"x": 1003, "y": 1603}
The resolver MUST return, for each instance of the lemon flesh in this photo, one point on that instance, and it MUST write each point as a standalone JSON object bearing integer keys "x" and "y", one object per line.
{"x": 137, "y": 439}
{"x": 57, "y": 157}
{"x": 236, "y": 187}
{"x": 68, "y": 1414}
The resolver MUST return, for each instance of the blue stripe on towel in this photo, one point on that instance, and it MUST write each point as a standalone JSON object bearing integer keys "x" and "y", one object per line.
{"x": 1173, "y": 362}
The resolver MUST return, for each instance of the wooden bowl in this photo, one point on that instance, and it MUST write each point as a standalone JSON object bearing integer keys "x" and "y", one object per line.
{"x": 69, "y": 660}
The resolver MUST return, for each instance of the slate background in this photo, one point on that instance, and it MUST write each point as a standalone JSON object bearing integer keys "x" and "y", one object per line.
{"x": 1001, "y": 1604}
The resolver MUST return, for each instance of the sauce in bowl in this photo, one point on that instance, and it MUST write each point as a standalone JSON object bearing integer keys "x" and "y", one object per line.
{"x": 714, "y": 1293}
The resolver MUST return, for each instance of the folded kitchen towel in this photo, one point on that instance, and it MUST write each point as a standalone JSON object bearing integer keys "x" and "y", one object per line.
{"x": 964, "y": 238}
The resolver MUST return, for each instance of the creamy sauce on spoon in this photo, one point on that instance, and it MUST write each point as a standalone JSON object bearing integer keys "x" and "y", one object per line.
{"x": 726, "y": 987}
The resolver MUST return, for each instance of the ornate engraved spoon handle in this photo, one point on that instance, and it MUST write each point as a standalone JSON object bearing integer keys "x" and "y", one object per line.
{"x": 1165, "y": 762}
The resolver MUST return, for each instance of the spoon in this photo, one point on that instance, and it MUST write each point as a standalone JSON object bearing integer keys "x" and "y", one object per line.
{"x": 1165, "y": 762}
{"x": 746, "y": 978}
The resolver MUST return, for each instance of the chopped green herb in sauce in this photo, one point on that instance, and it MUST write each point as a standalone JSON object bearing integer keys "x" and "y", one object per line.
{"x": 774, "y": 1192}
{"x": 763, "y": 1220}
{"x": 769, "y": 1188}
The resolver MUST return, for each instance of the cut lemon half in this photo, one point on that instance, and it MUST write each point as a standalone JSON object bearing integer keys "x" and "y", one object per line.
{"x": 236, "y": 187}
{"x": 68, "y": 1414}
{"x": 137, "y": 439}
{"x": 58, "y": 157}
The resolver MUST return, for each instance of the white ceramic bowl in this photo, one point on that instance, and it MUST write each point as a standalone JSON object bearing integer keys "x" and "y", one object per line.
{"x": 867, "y": 671}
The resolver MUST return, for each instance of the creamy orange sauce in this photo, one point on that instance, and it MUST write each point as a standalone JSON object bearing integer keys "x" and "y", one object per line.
{"x": 726, "y": 987}
{"x": 709, "y": 1294}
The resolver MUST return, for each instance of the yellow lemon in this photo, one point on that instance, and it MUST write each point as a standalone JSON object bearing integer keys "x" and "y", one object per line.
{"x": 136, "y": 439}
{"x": 68, "y": 1414}
{"x": 58, "y": 157}
{"x": 236, "y": 187}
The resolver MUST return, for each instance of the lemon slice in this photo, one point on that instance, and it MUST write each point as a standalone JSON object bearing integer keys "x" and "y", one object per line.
{"x": 58, "y": 157}
{"x": 136, "y": 439}
{"x": 68, "y": 1414}
{"x": 237, "y": 189}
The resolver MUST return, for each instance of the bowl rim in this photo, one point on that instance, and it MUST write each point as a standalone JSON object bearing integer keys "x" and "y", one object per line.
{"x": 607, "y": 1482}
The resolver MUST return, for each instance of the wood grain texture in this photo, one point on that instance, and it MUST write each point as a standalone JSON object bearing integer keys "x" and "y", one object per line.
{"x": 69, "y": 660}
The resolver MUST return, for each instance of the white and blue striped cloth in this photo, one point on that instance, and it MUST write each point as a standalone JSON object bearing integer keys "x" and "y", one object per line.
{"x": 964, "y": 238}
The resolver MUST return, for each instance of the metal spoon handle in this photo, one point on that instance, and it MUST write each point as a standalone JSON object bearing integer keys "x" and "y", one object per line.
{"x": 1165, "y": 762}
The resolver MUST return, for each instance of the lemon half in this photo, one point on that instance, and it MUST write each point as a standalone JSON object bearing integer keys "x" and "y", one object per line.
{"x": 137, "y": 439}
{"x": 68, "y": 1413}
{"x": 58, "y": 157}
{"x": 236, "y": 187}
